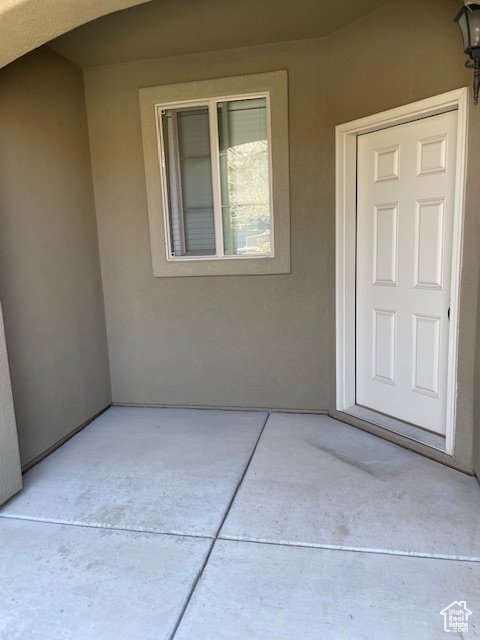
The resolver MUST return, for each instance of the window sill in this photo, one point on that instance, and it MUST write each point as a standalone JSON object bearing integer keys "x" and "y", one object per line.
{"x": 224, "y": 266}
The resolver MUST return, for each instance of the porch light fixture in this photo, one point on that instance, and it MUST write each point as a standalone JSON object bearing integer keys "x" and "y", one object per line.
{"x": 468, "y": 19}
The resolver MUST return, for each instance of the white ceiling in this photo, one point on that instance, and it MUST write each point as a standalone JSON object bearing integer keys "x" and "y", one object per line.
{"x": 163, "y": 28}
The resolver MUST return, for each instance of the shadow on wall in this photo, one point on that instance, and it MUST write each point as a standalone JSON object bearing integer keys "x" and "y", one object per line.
{"x": 27, "y": 24}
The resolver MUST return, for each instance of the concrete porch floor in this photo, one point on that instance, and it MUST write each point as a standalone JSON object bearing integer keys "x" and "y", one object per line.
{"x": 154, "y": 524}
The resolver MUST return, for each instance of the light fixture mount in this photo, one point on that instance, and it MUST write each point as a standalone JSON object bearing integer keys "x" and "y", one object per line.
{"x": 468, "y": 19}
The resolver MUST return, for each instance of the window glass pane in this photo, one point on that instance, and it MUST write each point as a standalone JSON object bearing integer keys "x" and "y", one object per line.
{"x": 189, "y": 176}
{"x": 244, "y": 174}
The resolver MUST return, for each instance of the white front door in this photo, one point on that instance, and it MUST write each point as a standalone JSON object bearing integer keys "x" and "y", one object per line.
{"x": 405, "y": 207}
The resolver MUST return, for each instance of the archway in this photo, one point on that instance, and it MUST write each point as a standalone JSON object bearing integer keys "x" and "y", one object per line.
{"x": 27, "y": 24}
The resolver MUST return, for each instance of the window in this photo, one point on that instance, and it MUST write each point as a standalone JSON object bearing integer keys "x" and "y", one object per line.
{"x": 216, "y": 164}
{"x": 216, "y": 177}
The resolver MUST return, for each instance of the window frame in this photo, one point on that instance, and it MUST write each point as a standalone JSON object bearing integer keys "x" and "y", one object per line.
{"x": 212, "y": 105}
{"x": 271, "y": 86}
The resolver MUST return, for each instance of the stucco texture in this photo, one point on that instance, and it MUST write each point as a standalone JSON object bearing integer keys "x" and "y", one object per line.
{"x": 10, "y": 475}
{"x": 27, "y": 24}
{"x": 264, "y": 341}
{"x": 50, "y": 284}
{"x": 252, "y": 341}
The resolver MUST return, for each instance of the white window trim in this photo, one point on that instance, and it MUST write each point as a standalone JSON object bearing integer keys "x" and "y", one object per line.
{"x": 211, "y": 104}
{"x": 217, "y": 198}
{"x": 272, "y": 86}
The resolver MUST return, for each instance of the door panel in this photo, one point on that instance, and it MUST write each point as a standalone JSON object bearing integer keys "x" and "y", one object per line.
{"x": 405, "y": 204}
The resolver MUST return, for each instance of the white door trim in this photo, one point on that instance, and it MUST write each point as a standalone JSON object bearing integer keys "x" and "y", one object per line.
{"x": 346, "y": 176}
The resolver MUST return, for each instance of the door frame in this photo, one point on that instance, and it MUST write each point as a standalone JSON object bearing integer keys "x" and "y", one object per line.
{"x": 345, "y": 243}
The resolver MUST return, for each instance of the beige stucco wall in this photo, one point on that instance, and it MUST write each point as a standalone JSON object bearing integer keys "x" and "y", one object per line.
{"x": 474, "y": 205}
{"x": 476, "y": 382}
{"x": 10, "y": 474}
{"x": 252, "y": 341}
{"x": 27, "y": 24}
{"x": 264, "y": 341}
{"x": 50, "y": 284}
{"x": 468, "y": 417}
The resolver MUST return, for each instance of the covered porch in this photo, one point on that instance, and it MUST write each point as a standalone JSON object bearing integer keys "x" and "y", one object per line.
{"x": 257, "y": 507}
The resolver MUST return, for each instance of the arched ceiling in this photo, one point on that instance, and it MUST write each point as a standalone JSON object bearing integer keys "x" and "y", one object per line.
{"x": 27, "y": 24}
{"x": 163, "y": 28}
